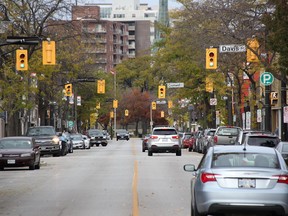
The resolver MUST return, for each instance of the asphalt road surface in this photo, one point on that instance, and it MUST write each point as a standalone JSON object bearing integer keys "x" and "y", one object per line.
{"x": 117, "y": 180}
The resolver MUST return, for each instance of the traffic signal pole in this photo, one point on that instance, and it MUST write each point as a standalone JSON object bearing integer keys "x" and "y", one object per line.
{"x": 267, "y": 108}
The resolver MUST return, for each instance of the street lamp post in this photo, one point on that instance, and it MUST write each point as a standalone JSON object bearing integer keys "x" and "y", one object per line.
{"x": 115, "y": 109}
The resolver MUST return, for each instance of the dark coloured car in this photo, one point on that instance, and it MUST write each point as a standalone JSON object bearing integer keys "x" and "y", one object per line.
{"x": 97, "y": 137}
{"x": 145, "y": 142}
{"x": 46, "y": 137}
{"x": 122, "y": 134}
{"x": 19, "y": 151}
{"x": 282, "y": 147}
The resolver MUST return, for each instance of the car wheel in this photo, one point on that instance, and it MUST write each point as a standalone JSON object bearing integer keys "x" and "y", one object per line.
{"x": 32, "y": 167}
{"x": 178, "y": 152}
{"x": 190, "y": 149}
{"x": 37, "y": 166}
{"x": 143, "y": 149}
{"x": 1, "y": 167}
{"x": 97, "y": 145}
{"x": 104, "y": 144}
{"x": 150, "y": 153}
{"x": 89, "y": 146}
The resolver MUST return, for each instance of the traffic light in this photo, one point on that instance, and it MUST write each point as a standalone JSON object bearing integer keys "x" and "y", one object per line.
{"x": 115, "y": 104}
{"x": 170, "y": 104}
{"x": 98, "y": 106}
{"x": 161, "y": 91}
{"x": 273, "y": 98}
{"x": 111, "y": 114}
{"x": 211, "y": 58}
{"x": 162, "y": 114}
{"x": 101, "y": 86}
{"x": 48, "y": 53}
{"x": 68, "y": 90}
{"x": 21, "y": 59}
{"x": 153, "y": 104}
{"x": 252, "y": 44}
{"x": 126, "y": 112}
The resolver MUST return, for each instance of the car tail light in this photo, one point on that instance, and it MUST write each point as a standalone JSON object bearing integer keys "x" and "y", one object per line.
{"x": 282, "y": 179}
{"x": 207, "y": 177}
{"x": 153, "y": 137}
{"x": 175, "y": 137}
{"x": 215, "y": 139}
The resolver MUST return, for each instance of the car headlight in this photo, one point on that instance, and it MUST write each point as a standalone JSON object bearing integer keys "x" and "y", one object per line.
{"x": 55, "y": 140}
{"x": 25, "y": 155}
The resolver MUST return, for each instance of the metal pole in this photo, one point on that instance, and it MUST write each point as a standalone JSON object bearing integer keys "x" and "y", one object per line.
{"x": 267, "y": 108}
{"x": 115, "y": 110}
{"x": 151, "y": 118}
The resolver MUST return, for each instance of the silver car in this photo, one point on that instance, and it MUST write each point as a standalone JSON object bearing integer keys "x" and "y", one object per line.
{"x": 164, "y": 139}
{"x": 227, "y": 135}
{"x": 238, "y": 179}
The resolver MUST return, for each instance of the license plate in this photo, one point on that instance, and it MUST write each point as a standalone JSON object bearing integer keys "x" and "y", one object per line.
{"x": 10, "y": 161}
{"x": 164, "y": 140}
{"x": 246, "y": 183}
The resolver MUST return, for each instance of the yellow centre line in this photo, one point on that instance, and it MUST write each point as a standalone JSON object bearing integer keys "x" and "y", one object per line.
{"x": 135, "y": 207}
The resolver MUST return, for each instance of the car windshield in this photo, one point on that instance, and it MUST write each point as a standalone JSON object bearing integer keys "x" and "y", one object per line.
{"x": 15, "y": 144}
{"x": 94, "y": 132}
{"x": 228, "y": 132}
{"x": 122, "y": 131}
{"x": 165, "y": 132}
{"x": 245, "y": 160}
{"x": 187, "y": 136}
{"x": 76, "y": 137}
{"x": 40, "y": 131}
{"x": 262, "y": 141}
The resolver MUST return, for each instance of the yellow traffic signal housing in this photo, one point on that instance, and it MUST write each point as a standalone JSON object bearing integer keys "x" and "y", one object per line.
{"x": 68, "y": 90}
{"x": 21, "y": 60}
{"x": 252, "y": 44}
{"x": 170, "y": 104}
{"x": 101, "y": 86}
{"x": 48, "y": 53}
{"x": 211, "y": 58}
{"x": 153, "y": 104}
{"x": 111, "y": 114}
{"x": 98, "y": 106}
{"x": 115, "y": 104}
{"x": 161, "y": 91}
{"x": 162, "y": 114}
{"x": 126, "y": 112}
{"x": 273, "y": 98}
{"x": 209, "y": 84}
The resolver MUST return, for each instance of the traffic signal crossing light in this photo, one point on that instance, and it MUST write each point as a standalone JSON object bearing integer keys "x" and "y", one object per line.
{"x": 115, "y": 104}
{"x": 252, "y": 44}
{"x": 170, "y": 104}
{"x": 68, "y": 90}
{"x": 101, "y": 86}
{"x": 161, "y": 91}
{"x": 153, "y": 104}
{"x": 273, "y": 98}
{"x": 162, "y": 114}
{"x": 48, "y": 53}
{"x": 21, "y": 60}
{"x": 126, "y": 112}
{"x": 111, "y": 114}
{"x": 211, "y": 58}
{"x": 98, "y": 106}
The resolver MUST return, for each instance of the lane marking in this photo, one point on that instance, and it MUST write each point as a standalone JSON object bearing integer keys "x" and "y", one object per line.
{"x": 135, "y": 206}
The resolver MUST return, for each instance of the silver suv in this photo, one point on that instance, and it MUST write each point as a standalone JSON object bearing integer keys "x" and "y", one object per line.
{"x": 164, "y": 139}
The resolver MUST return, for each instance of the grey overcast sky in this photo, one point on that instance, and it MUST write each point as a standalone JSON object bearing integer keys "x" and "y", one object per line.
{"x": 171, "y": 3}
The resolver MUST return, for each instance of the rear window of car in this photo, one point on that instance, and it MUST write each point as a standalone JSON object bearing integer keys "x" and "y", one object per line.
{"x": 228, "y": 132}
{"x": 41, "y": 131}
{"x": 164, "y": 132}
{"x": 15, "y": 144}
{"x": 285, "y": 148}
{"x": 262, "y": 141}
{"x": 245, "y": 160}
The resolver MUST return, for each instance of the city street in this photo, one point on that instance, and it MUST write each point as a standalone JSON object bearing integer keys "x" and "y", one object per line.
{"x": 115, "y": 180}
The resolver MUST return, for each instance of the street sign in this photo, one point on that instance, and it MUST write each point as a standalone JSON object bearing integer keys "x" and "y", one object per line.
{"x": 175, "y": 85}
{"x": 266, "y": 78}
{"x": 161, "y": 102}
{"x": 232, "y": 48}
{"x": 213, "y": 101}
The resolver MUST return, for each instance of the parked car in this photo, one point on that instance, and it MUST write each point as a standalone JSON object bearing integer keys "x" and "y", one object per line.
{"x": 205, "y": 140}
{"x": 164, "y": 139}
{"x": 261, "y": 139}
{"x": 86, "y": 141}
{"x": 145, "y": 142}
{"x": 234, "y": 179}
{"x": 282, "y": 147}
{"x": 46, "y": 137}
{"x": 122, "y": 134}
{"x": 188, "y": 141}
{"x": 97, "y": 137}
{"x": 198, "y": 136}
{"x": 227, "y": 135}
{"x": 78, "y": 141}
{"x": 105, "y": 132}
{"x": 19, "y": 151}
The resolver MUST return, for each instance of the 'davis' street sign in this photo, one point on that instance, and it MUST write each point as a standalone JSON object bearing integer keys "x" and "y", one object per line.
{"x": 232, "y": 48}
